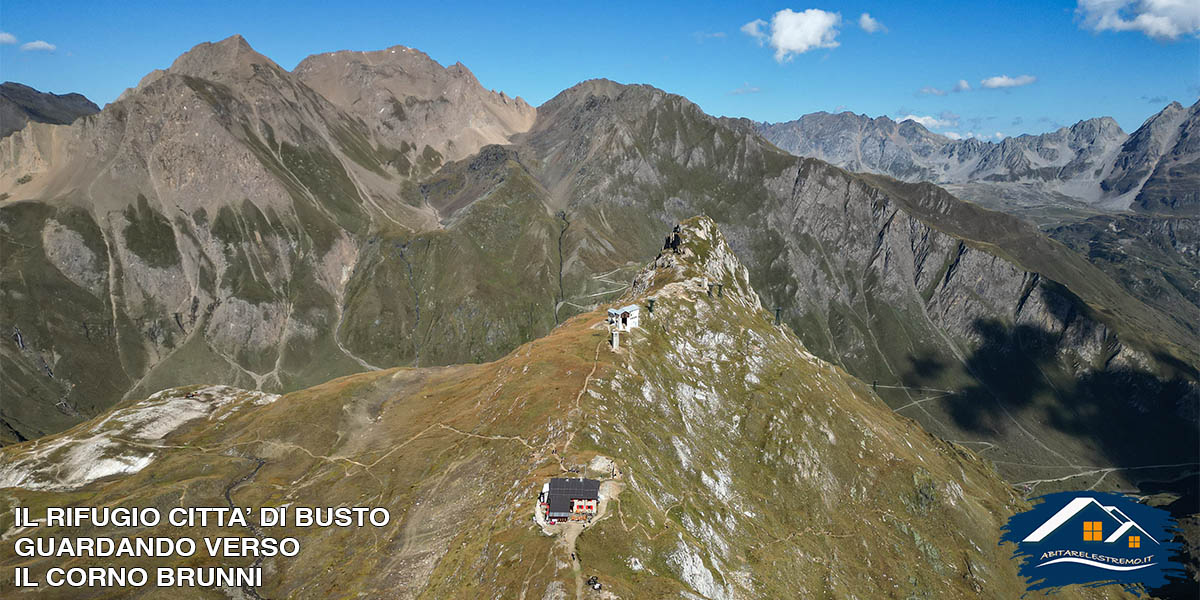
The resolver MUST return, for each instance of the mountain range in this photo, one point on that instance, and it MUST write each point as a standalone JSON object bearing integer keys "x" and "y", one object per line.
{"x": 1128, "y": 203}
{"x": 1093, "y": 163}
{"x": 230, "y": 222}
{"x": 225, "y": 222}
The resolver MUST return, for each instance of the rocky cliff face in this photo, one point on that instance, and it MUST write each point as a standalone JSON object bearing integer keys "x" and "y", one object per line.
{"x": 1154, "y": 257}
{"x": 1066, "y": 181}
{"x": 407, "y": 97}
{"x": 735, "y": 464}
{"x": 20, "y": 104}
{"x": 1159, "y": 165}
{"x": 1091, "y": 162}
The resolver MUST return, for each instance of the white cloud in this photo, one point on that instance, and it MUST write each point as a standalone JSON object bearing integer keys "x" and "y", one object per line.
{"x": 870, "y": 24}
{"x": 1004, "y": 81}
{"x": 952, "y": 135}
{"x": 799, "y": 32}
{"x": 745, "y": 89}
{"x": 39, "y": 45}
{"x": 930, "y": 122}
{"x": 1159, "y": 19}
{"x": 7, "y": 38}
{"x": 961, "y": 86}
{"x": 796, "y": 32}
{"x": 754, "y": 30}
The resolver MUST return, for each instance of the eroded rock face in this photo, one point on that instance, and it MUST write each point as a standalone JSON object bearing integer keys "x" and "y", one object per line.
{"x": 1161, "y": 162}
{"x": 66, "y": 250}
{"x": 407, "y": 97}
{"x": 1142, "y": 151}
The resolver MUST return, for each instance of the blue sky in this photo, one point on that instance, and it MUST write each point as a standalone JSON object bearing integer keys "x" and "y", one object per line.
{"x": 1097, "y": 57}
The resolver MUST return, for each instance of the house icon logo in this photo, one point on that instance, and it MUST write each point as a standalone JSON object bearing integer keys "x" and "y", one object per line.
{"x": 1093, "y": 538}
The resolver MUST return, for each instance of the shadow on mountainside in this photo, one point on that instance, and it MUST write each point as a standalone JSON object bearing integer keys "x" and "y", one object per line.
{"x": 1127, "y": 417}
{"x": 1132, "y": 417}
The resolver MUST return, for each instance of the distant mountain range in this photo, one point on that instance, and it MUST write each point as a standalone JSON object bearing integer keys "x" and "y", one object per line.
{"x": 20, "y": 104}
{"x": 1093, "y": 162}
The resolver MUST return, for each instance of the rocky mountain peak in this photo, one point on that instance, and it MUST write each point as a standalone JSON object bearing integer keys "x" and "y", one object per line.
{"x": 11, "y": 89}
{"x": 597, "y": 91}
{"x": 406, "y": 97}
{"x": 599, "y": 86}
{"x": 460, "y": 70}
{"x": 1097, "y": 128}
{"x": 1140, "y": 156}
{"x": 1169, "y": 110}
{"x": 597, "y": 104}
{"x": 909, "y": 128}
{"x": 879, "y": 119}
{"x": 232, "y": 56}
{"x": 702, "y": 261}
{"x": 394, "y": 59}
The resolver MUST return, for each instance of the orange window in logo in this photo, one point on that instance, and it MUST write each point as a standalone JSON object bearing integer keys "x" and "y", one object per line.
{"x": 1092, "y": 531}
{"x": 1135, "y": 541}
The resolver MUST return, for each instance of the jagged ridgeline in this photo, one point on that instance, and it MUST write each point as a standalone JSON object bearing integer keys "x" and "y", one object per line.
{"x": 736, "y": 464}
{"x": 231, "y": 222}
{"x": 1155, "y": 170}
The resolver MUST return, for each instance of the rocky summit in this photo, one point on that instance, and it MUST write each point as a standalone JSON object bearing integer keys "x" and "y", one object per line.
{"x": 409, "y": 98}
{"x": 733, "y": 463}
